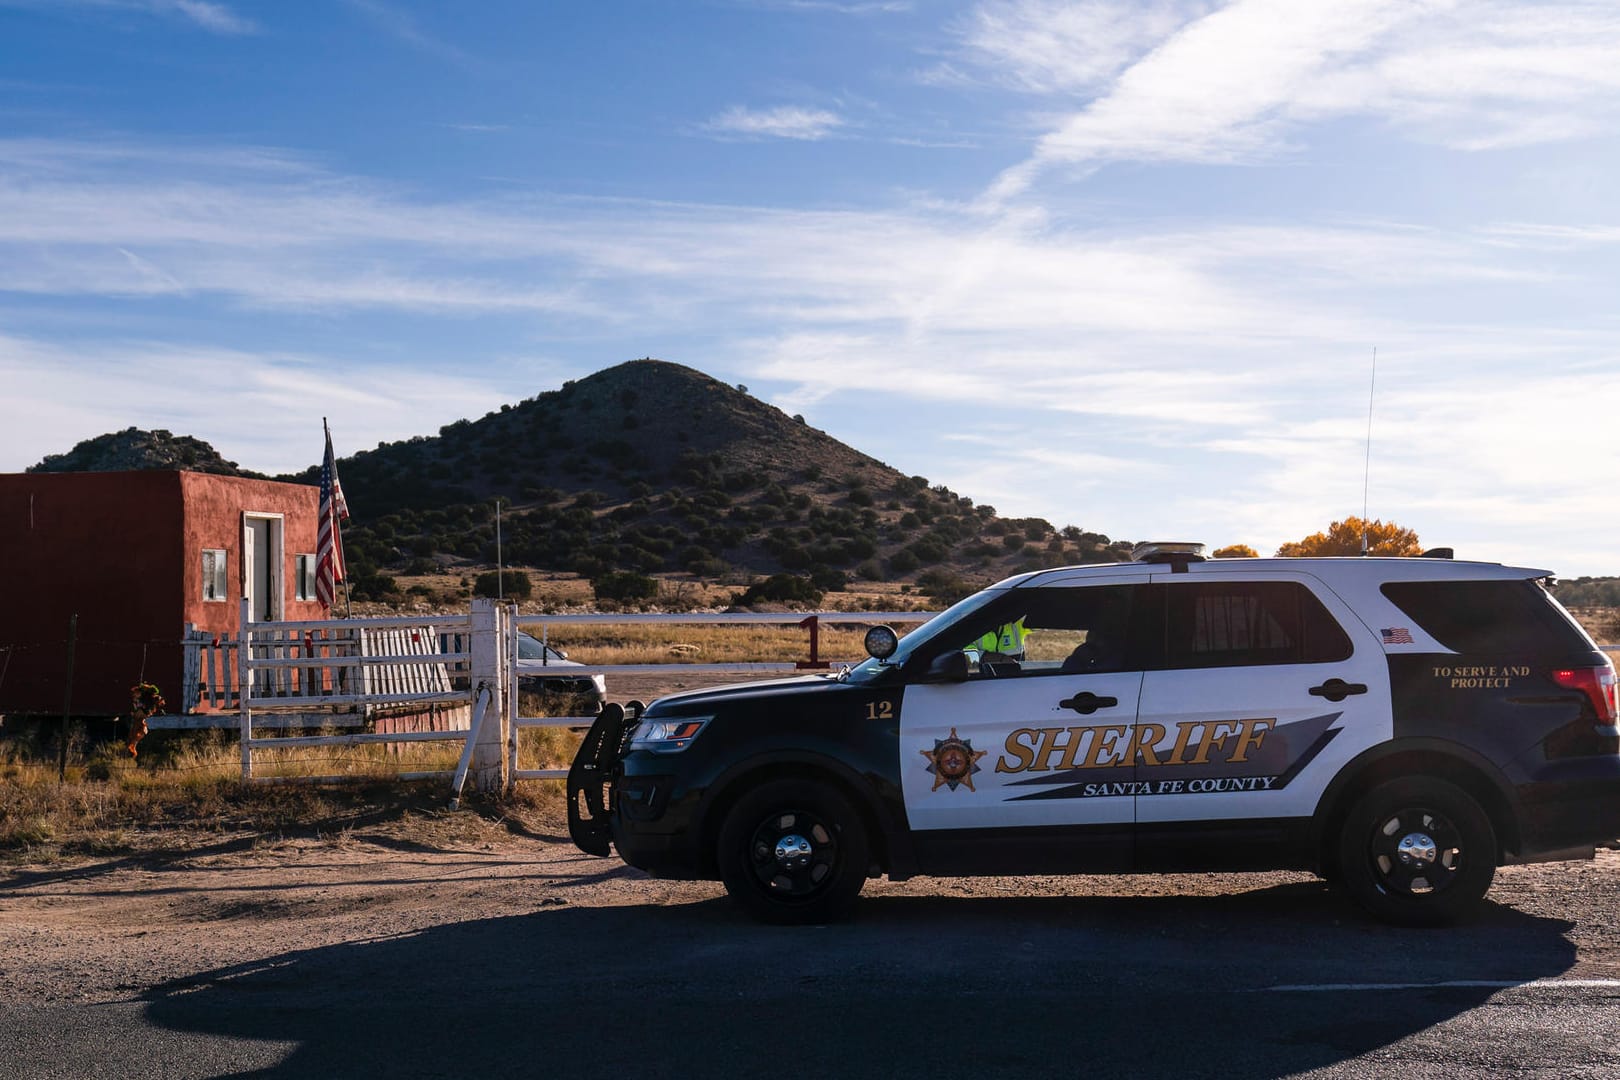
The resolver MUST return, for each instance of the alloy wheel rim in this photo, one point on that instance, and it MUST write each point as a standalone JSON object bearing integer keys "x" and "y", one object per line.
{"x": 1415, "y": 852}
{"x": 793, "y": 855}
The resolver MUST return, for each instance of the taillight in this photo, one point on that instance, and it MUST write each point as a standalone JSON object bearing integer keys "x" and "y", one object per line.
{"x": 1598, "y": 683}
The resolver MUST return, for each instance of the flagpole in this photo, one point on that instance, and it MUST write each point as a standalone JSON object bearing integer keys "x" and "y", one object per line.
{"x": 337, "y": 533}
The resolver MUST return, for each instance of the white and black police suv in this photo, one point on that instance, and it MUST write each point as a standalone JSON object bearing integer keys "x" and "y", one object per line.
{"x": 1399, "y": 726}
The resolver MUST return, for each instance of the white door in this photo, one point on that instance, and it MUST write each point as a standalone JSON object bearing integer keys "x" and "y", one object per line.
{"x": 1270, "y": 685}
{"x": 261, "y": 553}
{"x": 1034, "y": 750}
{"x": 1039, "y": 741}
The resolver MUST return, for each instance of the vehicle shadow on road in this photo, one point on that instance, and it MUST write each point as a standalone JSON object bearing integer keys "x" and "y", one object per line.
{"x": 1266, "y": 983}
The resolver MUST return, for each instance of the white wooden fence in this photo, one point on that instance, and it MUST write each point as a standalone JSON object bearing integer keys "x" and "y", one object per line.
{"x": 372, "y": 668}
{"x": 385, "y": 674}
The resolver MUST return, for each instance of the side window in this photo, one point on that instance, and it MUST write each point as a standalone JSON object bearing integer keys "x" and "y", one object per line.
{"x": 213, "y": 574}
{"x": 1491, "y": 618}
{"x": 303, "y": 577}
{"x": 1056, "y": 631}
{"x": 1237, "y": 624}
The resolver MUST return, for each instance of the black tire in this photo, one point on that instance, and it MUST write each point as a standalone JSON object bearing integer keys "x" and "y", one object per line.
{"x": 793, "y": 851}
{"x": 1417, "y": 851}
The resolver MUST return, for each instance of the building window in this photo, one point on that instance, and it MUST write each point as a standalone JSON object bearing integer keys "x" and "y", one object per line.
{"x": 213, "y": 574}
{"x": 303, "y": 577}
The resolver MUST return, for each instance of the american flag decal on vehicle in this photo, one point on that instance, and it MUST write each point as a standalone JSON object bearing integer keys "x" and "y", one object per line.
{"x": 1398, "y": 635}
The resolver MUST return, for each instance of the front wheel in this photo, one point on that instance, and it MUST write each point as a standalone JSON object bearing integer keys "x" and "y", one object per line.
{"x": 1417, "y": 852}
{"x": 793, "y": 851}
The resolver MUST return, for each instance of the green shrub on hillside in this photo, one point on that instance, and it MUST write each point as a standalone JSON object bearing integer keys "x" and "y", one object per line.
{"x": 624, "y": 586}
{"x": 944, "y": 586}
{"x": 371, "y": 585}
{"x": 780, "y": 589}
{"x": 903, "y": 562}
{"x": 510, "y": 584}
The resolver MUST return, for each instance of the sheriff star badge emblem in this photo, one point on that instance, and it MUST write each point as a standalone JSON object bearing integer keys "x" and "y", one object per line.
{"x": 953, "y": 761}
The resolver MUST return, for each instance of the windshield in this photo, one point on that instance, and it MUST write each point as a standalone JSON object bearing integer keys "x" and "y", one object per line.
{"x": 871, "y": 668}
{"x": 530, "y": 648}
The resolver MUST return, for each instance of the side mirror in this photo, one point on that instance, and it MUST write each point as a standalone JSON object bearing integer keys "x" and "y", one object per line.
{"x": 949, "y": 667}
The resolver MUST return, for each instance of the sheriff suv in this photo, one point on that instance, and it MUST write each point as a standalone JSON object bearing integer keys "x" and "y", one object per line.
{"x": 1399, "y": 726}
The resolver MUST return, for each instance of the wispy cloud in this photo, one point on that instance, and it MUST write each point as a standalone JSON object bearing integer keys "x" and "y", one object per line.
{"x": 72, "y": 221}
{"x": 1237, "y": 83}
{"x": 1554, "y": 237}
{"x": 209, "y": 15}
{"x": 837, "y": 7}
{"x": 404, "y": 27}
{"x": 1060, "y": 47}
{"x": 782, "y": 122}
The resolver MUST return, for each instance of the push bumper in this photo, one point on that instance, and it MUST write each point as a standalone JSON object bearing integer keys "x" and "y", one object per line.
{"x": 591, "y": 780}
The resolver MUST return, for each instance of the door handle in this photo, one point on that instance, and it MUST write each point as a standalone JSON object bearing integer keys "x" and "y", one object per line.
{"x": 1338, "y": 689}
{"x": 1087, "y": 703}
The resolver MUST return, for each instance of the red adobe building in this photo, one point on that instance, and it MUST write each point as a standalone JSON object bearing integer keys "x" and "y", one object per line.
{"x": 136, "y": 556}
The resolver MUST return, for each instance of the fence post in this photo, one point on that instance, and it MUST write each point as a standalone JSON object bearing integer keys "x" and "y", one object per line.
{"x": 244, "y": 687}
{"x": 190, "y": 669}
{"x": 67, "y": 695}
{"x": 489, "y": 757}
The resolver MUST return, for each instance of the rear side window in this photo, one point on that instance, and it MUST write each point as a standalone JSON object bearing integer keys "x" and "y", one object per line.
{"x": 1497, "y": 618}
{"x": 1236, "y": 624}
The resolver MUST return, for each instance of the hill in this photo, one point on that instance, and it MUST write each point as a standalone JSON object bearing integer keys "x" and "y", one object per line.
{"x": 133, "y": 449}
{"x": 650, "y": 468}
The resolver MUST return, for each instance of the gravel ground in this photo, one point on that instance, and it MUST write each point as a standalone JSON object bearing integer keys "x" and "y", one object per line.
{"x": 453, "y": 946}
{"x": 115, "y": 929}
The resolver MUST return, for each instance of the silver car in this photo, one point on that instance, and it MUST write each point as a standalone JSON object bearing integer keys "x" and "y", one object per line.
{"x": 544, "y": 667}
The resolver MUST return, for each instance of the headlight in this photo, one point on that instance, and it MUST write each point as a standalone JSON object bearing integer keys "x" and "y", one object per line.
{"x": 667, "y": 736}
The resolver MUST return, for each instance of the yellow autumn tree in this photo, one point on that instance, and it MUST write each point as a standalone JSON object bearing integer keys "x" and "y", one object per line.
{"x": 1344, "y": 538}
{"x": 1236, "y": 551}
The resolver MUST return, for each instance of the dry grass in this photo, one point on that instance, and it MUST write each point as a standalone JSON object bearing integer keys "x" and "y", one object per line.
{"x": 191, "y": 795}
{"x": 446, "y": 593}
{"x": 1602, "y": 623}
{"x": 652, "y": 643}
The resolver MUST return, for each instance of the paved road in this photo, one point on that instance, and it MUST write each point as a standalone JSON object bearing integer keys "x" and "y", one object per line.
{"x": 1276, "y": 982}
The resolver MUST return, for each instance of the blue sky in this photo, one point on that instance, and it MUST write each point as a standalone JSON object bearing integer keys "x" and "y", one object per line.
{"x": 1118, "y": 265}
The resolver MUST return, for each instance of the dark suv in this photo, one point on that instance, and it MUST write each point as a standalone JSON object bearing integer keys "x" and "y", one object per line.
{"x": 1399, "y": 726}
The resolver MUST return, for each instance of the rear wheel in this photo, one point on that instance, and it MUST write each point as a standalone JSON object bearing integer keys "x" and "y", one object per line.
{"x": 1417, "y": 852}
{"x": 793, "y": 851}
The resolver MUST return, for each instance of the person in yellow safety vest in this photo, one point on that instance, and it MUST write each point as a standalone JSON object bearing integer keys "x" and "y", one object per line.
{"x": 1007, "y": 640}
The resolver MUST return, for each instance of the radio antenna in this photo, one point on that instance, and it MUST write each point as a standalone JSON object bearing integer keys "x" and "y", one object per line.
{"x": 1366, "y": 475}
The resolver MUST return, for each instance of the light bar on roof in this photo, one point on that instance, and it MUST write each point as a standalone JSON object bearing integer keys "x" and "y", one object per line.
{"x": 1163, "y": 550}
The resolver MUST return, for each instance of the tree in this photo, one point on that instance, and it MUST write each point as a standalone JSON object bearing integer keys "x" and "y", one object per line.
{"x": 1344, "y": 538}
{"x": 1236, "y": 551}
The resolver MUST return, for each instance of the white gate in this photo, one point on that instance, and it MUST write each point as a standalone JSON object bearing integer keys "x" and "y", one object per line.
{"x": 369, "y": 667}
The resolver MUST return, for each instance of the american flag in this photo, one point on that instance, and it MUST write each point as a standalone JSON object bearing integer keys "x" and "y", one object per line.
{"x": 328, "y": 540}
{"x": 1399, "y": 635}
